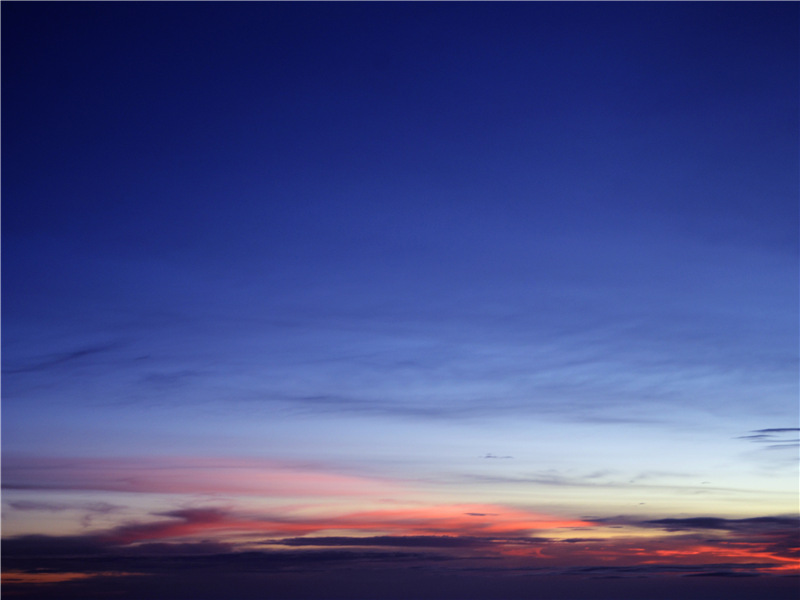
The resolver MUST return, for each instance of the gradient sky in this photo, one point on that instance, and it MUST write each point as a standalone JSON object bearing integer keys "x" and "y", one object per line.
{"x": 464, "y": 301}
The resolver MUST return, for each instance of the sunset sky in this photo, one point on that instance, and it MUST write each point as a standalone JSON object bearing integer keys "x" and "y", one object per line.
{"x": 400, "y": 301}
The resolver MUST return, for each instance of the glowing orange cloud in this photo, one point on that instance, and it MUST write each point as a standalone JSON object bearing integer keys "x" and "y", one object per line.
{"x": 660, "y": 549}
{"x": 459, "y": 519}
{"x": 705, "y": 553}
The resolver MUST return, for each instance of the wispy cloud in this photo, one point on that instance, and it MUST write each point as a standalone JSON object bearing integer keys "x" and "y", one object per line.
{"x": 57, "y": 360}
{"x": 775, "y": 438}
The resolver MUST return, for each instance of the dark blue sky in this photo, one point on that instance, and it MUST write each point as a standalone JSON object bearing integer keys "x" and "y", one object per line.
{"x": 559, "y": 116}
{"x": 565, "y": 233}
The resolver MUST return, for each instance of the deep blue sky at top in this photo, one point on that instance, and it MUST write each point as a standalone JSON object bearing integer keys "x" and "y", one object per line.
{"x": 532, "y": 167}
{"x": 116, "y": 108}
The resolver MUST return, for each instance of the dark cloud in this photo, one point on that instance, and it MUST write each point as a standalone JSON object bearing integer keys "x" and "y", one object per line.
{"x": 411, "y": 541}
{"x": 178, "y": 549}
{"x": 724, "y": 574}
{"x": 691, "y": 523}
{"x": 96, "y": 507}
{"x": 779, "y": 430}
{"x": 94, "y": 555}
{"x": 756, "y": 524}
{"x": 197, "y": 515}
{"x": 51, "y": 545}
{"x": 777, "y": 438}
{"x": 669, "y": 568}
{"x": 32, "y": 505}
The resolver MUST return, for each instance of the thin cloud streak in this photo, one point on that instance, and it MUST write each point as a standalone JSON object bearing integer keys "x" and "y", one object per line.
{"x": 58, "y": 360}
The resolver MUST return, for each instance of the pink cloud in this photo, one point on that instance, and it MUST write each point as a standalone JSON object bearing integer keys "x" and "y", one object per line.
{"x": 188, "y": 475}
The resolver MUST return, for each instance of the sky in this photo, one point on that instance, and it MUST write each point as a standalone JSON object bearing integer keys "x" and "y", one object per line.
{"x": 400, "y": 301}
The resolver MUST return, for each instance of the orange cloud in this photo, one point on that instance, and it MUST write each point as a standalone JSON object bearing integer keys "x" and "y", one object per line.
{"x": 704, "y": 553}
{"x": 458, "y": 519}
{"x": 34, "y": 578}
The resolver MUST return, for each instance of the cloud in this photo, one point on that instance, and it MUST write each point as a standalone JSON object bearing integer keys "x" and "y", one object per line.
{"x": 724, "y": 574}
{"x": 777, "y": 438}
{"x": 694, "y": 570}
{"x": 457, "y": 519}
{"x": 778, "y": 430}
{"x": 452, "y": 526}
{"x": 98, "y": 554}
{"x": 189, "y": 475}
{"x": 436, "y": 525}
{"x": 409, "y": 541}
{"x": 772, "y": 538}
{"x": 181, "y": 523}
{"x": 96, "y": 507}
{"x": 76, "y": 555}
{"x": 755, "y": 524}
{"x": 56, "y": 360}
{"x": 91, "y": 509}
{"x": 208, "y": 543}
{"x": 51, "y": 545}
